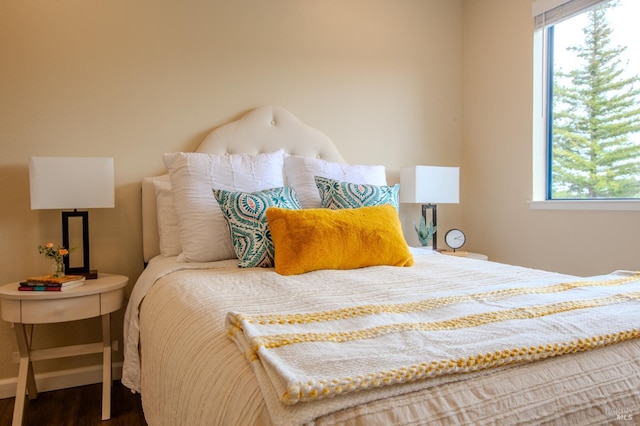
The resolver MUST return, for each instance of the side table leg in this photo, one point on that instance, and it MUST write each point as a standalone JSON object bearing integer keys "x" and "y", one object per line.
{"x": 25, "y": 375}
{"x": 106, "y": 367}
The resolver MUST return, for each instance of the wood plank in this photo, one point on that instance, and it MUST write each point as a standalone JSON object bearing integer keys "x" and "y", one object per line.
{"x": 78, "y": 406}
{"x": 66, "y": 351}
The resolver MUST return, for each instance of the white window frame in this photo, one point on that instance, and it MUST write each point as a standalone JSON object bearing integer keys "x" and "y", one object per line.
{"x": 546, "y": 13}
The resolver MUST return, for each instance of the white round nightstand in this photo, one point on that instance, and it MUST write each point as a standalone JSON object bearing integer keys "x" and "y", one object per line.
{"x": 96, "y": 298}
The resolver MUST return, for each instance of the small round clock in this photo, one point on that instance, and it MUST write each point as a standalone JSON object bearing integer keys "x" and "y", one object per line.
{"x": 455, "y": 238}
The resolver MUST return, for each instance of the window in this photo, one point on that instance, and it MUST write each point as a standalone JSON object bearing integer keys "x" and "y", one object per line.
{"x": 587, "y": 100}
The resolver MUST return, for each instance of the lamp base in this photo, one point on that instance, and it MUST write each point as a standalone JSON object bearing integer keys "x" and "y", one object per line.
{"x": 434, "y": 217}
{"x": 66, "y": 241}
{"x": 89, "y": 275}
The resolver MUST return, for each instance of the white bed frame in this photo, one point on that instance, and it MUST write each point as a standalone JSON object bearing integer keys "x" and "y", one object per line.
{"x": 264, "y": 129}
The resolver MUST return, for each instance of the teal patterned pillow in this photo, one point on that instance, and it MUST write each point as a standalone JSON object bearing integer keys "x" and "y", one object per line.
{"x": 247, "y": 222}
{"x": 344, "y": 195}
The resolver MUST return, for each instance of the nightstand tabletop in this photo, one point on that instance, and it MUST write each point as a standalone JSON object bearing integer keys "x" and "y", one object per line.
{"x": 92, "y": 299}
{"x": 467, "y": 255}
{"x": 104, "y": 283}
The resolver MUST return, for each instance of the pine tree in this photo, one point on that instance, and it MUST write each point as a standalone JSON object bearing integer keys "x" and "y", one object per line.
{"x": 593, "y": 119}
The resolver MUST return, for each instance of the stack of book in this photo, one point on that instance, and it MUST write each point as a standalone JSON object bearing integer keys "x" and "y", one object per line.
{"x": 49, "y": 283}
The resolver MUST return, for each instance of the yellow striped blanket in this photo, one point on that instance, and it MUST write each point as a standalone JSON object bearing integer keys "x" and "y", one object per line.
{"x": 313, "y": 355}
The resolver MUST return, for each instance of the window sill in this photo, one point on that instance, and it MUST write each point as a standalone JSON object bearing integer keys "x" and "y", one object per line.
{"x": 585, "y": 205}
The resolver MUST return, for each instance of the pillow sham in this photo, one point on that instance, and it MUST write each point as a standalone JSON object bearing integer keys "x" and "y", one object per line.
{"x": 245, "y": 215}
{"x": 301, "y": 171}
{"x": 313, "y": 239}
{"x": 345, "y": 195}
{"x": 202, "y": 227}
{"x": 169, "y": 237}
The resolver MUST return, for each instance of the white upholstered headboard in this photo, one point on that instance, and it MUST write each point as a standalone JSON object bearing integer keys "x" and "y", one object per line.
{"x": 264, "y": 129}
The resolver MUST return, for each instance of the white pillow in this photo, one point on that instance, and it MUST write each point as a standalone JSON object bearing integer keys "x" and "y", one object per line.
{"x": 167, "y": 220}
{"x": 204, "y": 235}
{"x": 301, "y": 172}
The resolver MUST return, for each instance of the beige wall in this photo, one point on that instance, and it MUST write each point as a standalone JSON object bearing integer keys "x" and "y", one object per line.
{"x": 497, "y": 159}
{"x": 135, "y": 79}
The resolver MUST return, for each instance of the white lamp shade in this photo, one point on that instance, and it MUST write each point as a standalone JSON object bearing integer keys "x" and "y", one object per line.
{"x": 430, "y": 185}
{"x": 71, "y": 182}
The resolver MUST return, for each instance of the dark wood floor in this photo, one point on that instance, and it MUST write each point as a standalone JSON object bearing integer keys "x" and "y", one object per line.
{"x": 78, "y": 406}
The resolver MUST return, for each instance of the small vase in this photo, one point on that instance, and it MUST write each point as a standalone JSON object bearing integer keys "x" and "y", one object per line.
{"x": 57, "y": 271}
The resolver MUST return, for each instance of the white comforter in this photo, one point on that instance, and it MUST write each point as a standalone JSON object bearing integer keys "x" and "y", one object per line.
{"x": 193, "y": 374}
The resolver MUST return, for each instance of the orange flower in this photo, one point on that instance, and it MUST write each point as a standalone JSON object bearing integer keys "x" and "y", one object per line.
{"x": 55, "y": 253}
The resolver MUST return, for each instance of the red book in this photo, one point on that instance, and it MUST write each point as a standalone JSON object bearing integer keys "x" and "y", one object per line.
{"x": 50, "y": 287}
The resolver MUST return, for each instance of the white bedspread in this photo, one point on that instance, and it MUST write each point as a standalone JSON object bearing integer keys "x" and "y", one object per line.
{"x": 192, "y": 373}
{"x": 157, "y": 268}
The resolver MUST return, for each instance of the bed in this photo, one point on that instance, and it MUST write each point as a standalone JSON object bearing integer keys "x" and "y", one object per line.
{"x": 401, "y": 336}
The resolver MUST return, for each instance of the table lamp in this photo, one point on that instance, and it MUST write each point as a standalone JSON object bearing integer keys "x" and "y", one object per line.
{"x": 71, "y": 183}
{"x": 430, "y": 186}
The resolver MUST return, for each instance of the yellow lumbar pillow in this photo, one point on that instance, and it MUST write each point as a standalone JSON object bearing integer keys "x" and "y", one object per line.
{"x": 312, "y": 239}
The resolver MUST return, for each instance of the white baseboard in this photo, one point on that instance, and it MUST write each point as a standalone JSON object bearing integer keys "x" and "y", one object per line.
{"x": 62, "y": 379}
